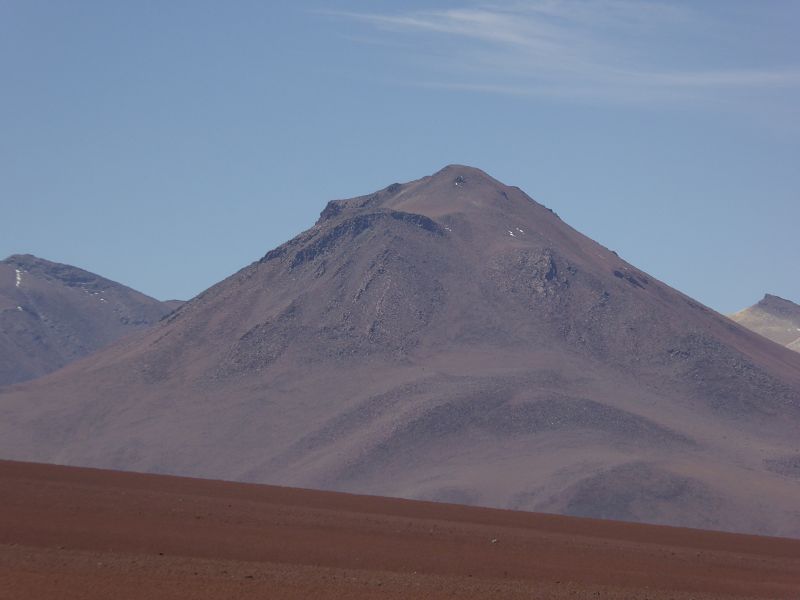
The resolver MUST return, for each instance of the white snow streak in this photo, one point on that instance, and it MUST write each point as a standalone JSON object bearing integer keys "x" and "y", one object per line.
{"x": 19, "y": 277}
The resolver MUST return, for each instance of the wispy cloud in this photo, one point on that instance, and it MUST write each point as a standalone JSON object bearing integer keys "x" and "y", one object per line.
{"x": 612, "y": 50}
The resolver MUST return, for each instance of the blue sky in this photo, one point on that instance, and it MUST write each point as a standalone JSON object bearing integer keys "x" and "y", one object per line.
{"x": 167, "y": 144}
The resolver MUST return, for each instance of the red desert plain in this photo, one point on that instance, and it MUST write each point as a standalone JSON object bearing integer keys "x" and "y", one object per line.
{"x": 69, "y": 532}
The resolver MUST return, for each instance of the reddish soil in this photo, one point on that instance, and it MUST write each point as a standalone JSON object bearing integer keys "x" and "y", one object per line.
{"x": 69, "y": 532}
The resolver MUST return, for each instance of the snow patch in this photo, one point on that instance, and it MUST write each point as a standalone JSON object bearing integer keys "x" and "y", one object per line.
{"x": 511, "y": 233}
{"x": 520, "y": 230}
{"x": 20, "y": 308}
{"x": 19, "y": 277}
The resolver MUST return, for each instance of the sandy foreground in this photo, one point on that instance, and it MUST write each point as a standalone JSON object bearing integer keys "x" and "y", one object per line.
{"x": 68, "y": 532}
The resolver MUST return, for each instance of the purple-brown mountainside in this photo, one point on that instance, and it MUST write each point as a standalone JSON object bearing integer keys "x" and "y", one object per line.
{"x": 446, "y": 339}
{"x": 775, "y": 318}
{"x": 52, "y": 314}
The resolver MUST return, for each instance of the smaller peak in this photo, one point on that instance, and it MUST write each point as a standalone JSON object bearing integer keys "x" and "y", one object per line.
{"x": 777, "y": 304}
{"x": 64, "y": 272}
{"x": 772, "y": 298}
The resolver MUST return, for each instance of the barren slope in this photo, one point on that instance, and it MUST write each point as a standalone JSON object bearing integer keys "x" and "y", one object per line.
{"x": 52, "y": 314}
{"x": 446, "y": 339}
{"x": 775, "y": 318}
{"x": 78, "y": 533}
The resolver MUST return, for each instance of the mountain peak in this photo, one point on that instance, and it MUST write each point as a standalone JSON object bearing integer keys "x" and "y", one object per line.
{"x": 777, "y": 305}
{"x": 445, "y": 338}
{"x": 68, "y": 274}
{"x": 775, "y": 318}
{"x": 452, "y": 189}
{"x": 52, "y": 314}
{"x": 454, "y": 171}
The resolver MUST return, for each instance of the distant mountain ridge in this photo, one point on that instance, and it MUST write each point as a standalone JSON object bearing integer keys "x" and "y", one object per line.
{"x": 52, "y": 314}
{"x": 449, "y": 339}
{"x": 775, "y": 318}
